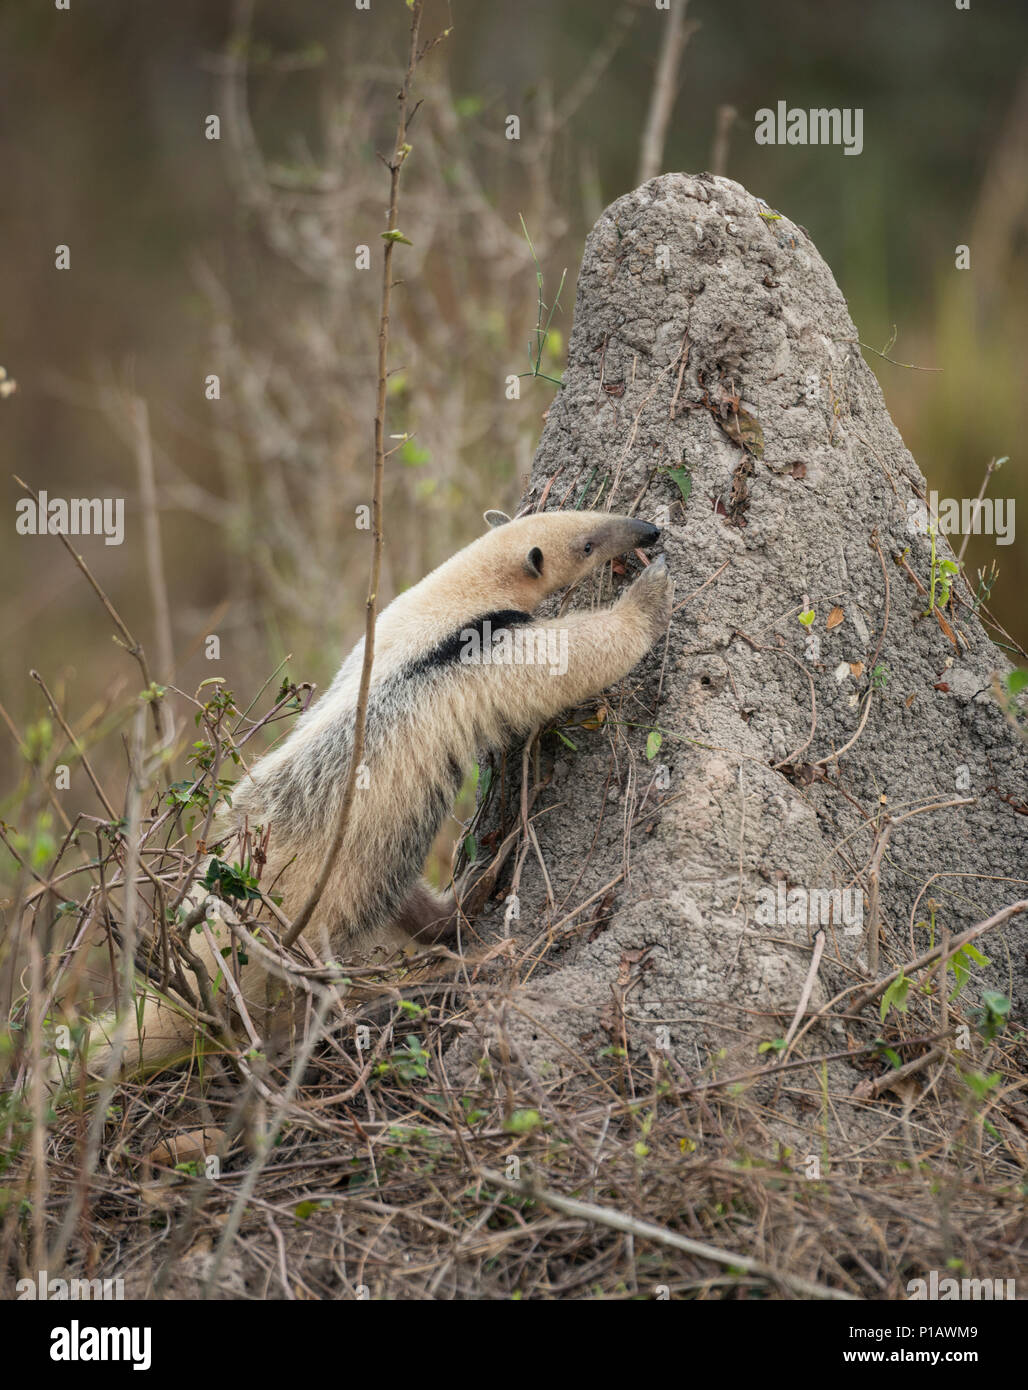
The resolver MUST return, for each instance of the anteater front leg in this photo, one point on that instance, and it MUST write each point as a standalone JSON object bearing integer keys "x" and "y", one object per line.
{"x": 592, "y": 651}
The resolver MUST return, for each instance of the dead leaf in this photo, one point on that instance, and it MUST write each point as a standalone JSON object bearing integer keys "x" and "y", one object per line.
{"x": 856, "y": 669}
{"x": 155, "y": 1194}
{"x": 745, "y": 429}
{"x": 835, "y": 617}
{"x": 906, "y": 1087}
{"x": 191, "y": 1147}
{"x": 801, "y": 774}
{"x": 945, "y": 626}
{"x": 597, "y": 720}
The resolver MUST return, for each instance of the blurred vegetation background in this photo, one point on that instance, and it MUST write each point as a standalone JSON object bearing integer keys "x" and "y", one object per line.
{"x": 236, "y": 257}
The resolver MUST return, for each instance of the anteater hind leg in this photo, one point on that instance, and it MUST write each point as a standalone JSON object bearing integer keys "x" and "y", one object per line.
{"x": 428, "y": 916}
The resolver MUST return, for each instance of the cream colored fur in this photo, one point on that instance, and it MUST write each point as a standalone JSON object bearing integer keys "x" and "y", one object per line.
{"x": 429, "y": 716}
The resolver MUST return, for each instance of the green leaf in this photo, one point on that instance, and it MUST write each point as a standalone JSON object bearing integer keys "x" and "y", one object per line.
{"x": 895, "y": 997}
{"x": 396, "y": 235}
{"x": 306, "y": 1209}
{"x": 980, "y": 1084}
{"x": 653, "y": 741}
{"x": 413, "y": 455}
{"x": 680, "y": 476}
{"x": 179, "y": 793}
{"x": 231, "y": 880}
{"x": 992, "y": 1017}
{"x": 471, "y": 848}
{"x": 960, "y": 964}
{"x": 995, "y": 1002}
{"x": 1017, "y": 680}
{"x": 807, "y": 617}
{"x": 523, "y": 1122}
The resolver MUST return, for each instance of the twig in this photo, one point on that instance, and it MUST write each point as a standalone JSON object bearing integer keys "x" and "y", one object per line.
{"x": 808, "y": 985}
{"x": 894, "y": 1074}
{"x": 722, "y": 129}
{"x": 876, "y": 547}
{"x": 40, "y": 1176}
{"x": 765, "y": 1073}
{"x": 400, "y": 153}
{"x": 246, "y": 1189}
{"x": 152, "y": 539}
{"x": 130, "y": 644}
{"x": 887, "y": 826}
{"x": 884, "y": 356}
{"x": 832, "y": 757}
{"x": 126, "y": 1004}
{"x": 665, "y": 84}
{"x": 646, "y": 1230}
{"x": 66, "y": 730}
{"x": 691, "y": 596}
{"x": 993, "y": 465}
{"x": 937, "y": 952}
{"x": 232, "y": 985}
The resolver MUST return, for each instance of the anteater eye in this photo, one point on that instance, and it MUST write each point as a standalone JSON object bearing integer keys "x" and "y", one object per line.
{"x": 588, "y": 547}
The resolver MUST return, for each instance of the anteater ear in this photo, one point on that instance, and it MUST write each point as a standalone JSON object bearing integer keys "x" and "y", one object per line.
{"x": 496, "y": 518}
{"x": 534, "y": 563}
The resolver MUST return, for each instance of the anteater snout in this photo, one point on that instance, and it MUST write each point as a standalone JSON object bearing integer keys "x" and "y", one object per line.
{"x": 647, "y": 533}
{"x": 622, "y": 534}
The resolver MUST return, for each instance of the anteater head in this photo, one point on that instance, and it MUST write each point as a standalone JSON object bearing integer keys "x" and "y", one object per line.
{"x": 547, "y": 551}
